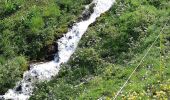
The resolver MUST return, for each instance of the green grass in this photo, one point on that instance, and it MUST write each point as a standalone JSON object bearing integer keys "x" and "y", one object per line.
{"x": 30, "y": 28}
{"x": 110, "y": 51}
{"x": 106, "y": 56}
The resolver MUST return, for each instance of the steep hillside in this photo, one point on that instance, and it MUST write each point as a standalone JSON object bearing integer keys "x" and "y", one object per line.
{"x": 111, "y": 50}
{"x": 106, "y": 56}
{"x": 29, "y": 29}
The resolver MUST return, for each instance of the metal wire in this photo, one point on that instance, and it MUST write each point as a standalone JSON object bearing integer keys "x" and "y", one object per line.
{"x": 117, "y": 94}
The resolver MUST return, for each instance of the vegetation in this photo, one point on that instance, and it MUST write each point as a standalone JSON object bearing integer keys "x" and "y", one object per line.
{"x": 106, "y": 56}
{"x": 11, "y": 72}
{"x": 110, "y": 51}
{"x": 28, "y": 31}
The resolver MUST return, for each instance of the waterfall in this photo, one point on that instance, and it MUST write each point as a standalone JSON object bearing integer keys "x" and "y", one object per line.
{"x": 66, "y": 47}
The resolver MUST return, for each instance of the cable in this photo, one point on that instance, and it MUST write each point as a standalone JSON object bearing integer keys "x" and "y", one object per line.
{"x": 138, "y": 64}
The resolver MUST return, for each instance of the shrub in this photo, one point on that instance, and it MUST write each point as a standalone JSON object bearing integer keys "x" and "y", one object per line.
{"x": 51, "y": 11}
{"x": 11, "y": 72}
{"x": 87, "y": 59}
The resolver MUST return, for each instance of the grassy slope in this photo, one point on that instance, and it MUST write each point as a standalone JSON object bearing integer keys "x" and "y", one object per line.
{"x": 28, "y": 29}
{"x": 45, "y": 19}
{"x": 109, "y": 52}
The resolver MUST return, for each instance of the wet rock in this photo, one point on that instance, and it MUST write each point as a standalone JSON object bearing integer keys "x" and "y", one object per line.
{"x": 19, "y": 88}
{"x": 86, "y": 14}
{"x": 71, "y": 24}
{"x": 45, "y": 71}
{"x": 70, "y": 37}
{"x": 57, "y": 58}
{"x": 1, "y": 98}
{"x": 50, "y": 51}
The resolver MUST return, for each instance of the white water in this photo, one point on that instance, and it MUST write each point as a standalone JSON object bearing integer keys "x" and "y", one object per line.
{"x": 66, "y": 47}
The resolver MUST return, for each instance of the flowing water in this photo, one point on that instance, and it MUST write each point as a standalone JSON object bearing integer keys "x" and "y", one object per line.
{"x": 66, "y": 47}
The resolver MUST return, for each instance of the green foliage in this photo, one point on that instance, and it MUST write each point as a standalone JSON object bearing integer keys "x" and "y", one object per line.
{"x": 106, "y": 55}
{"x": 110, "y": 51}
{"x": 88, "y": 59}
{"x": 36, "y": 23}
{"x": 34, "y": 27}
{"x": 9, "y": 6}
{"x": 11, "y": 72}
{"x": 51, "y": 11}
{"x": 30, "y": 28}
{"x": 64, "y": 91}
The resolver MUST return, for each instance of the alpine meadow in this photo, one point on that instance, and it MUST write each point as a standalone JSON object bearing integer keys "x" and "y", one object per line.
{"x": 84, "y": 49}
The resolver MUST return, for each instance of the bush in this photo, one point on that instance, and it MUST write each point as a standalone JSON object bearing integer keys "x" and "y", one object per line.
{"x": 28, "y": 28}
{"x": 57, "y": 90}
{"x": 87, "y": 59}
{"x": 11, "y": 72}
{"x": 51, "y": 11}
{"x": 36, "y": 23}
{"x": 9, "y": 7}
{"x": 109, "y": 52}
